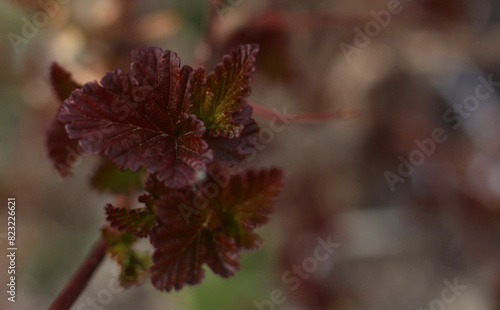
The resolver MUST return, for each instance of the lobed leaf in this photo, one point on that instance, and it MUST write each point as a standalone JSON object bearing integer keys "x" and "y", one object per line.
{"x": 246, "y": 204}
{"x": 221, "y": 254}
{"x": 182, "y": 249}
{"x": 138, "y": 118}
{"x": 218, "y": 232}
{"x": 62, "y": 150}
{"x": 181, "y": 125}
{"x": 214, "y": 97}
{"x": 61, "y": 81}
{"x": 177, "y": 257}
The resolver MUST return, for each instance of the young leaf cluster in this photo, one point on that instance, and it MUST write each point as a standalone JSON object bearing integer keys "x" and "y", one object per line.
{"x": 165, "y": 130}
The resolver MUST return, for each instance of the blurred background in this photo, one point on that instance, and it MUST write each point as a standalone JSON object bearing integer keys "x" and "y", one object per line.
{"x": 410, "y": 188}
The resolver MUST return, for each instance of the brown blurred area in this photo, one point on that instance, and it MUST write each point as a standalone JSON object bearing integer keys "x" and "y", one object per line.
{"x": 405, "y": 233}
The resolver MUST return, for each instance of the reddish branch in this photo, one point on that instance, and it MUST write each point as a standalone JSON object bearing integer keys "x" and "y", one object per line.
{"x": 80, "y": 279}
{"x": 282, "y": 21}
{"x": 306, "y": 117}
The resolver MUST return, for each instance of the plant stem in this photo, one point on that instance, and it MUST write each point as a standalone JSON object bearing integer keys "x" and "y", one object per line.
{"x": 79, "y": 281}
{"x": 306, "y": 117}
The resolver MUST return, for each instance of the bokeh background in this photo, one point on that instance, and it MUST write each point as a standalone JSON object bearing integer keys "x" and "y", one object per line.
{"x": 398, "y": 246}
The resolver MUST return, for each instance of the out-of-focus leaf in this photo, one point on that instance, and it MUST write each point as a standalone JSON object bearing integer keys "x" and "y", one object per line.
{"x": 62, "y": 82}
{"x": 110, "y": 178}
{"x": 134, "y": 265}
{"x": 63, "y": 151}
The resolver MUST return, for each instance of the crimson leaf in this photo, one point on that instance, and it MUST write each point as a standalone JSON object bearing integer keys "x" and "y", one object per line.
{"x": 63, "y": 151}
{"x": 246, "y": 203}
{"x": 176, "y": 259}
{"x": 61, "y": 81}
{"x": 138, "y": 118}
{"x": 221, "y": 254}
{"x": 218, "y": 231}
{"x": 182, "y": 249}
{"x": 223, "y": 91}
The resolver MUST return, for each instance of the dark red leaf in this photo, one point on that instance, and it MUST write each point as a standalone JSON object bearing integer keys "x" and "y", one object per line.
{"x": 178, "y": 246}
{"x": 221, "y": 254}
{"x": 215, "y": 232}
{"x": 246, "y": 203}
{"x": 177, "y": 257}
{"x": 138, "y": 118}
{"x": 63, "y": 151}
{"x": 62, "y": 81}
